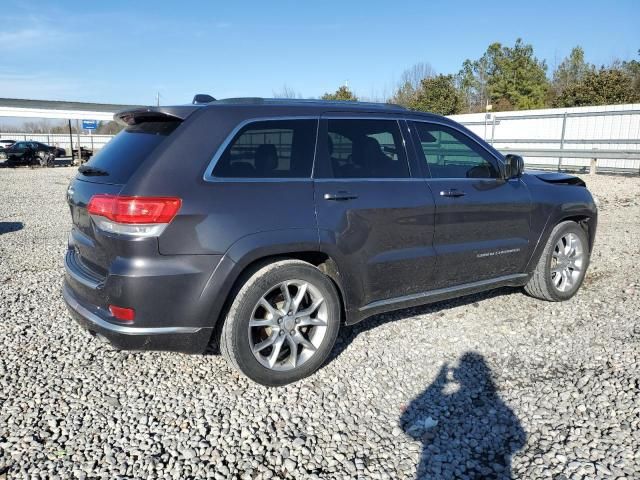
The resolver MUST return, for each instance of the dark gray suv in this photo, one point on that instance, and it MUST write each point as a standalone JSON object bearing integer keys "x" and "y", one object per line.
{"x": 262, "y": 226}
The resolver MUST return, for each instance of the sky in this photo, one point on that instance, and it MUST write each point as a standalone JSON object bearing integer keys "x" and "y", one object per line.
{"x": 125, "y": 52}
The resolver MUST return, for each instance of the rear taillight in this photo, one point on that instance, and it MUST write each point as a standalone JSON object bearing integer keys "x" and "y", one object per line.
{"x": 139, "y": 216}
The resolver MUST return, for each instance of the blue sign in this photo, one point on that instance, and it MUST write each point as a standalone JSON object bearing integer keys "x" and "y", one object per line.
{"x": 89, "y": 124}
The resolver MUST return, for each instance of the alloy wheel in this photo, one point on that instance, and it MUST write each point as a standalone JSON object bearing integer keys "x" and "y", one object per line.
{"x": 567, "y": 262}
{"x": 288, "y": 325}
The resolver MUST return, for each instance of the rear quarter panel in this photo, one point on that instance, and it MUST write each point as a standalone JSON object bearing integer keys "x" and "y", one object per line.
{"x": 216, "y": 214}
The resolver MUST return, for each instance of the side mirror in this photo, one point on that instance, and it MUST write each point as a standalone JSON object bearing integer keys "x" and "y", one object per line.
{"x": 514, "y": 166}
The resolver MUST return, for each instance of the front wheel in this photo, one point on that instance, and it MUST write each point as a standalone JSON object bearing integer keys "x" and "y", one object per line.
{"x": 282, "y": 324}
{"x": 563, "y": 264}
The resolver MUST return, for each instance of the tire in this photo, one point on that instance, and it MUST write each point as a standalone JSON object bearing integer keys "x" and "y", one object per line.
{"x": 559, "y": 275}
{"x": 313, "y": 335}
{"x": 41, "y": 158}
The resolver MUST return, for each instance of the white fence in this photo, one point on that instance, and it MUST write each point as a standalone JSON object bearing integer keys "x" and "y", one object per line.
{"x": 565, "y": 138}
{"x": 94, "y": 142}
{"x": 568, "y": 138}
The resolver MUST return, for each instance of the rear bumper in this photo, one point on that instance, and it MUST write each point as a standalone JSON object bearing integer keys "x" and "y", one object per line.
{"x": 124, "y": 337}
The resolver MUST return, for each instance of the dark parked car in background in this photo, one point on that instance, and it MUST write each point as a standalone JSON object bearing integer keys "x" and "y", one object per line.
{"x": 29, "y": 153}
{"x": 86, "y": 154}
{"x": 6, "y": 144}
{"x": 263, "y": 226}
{"x": 59, "y": 151}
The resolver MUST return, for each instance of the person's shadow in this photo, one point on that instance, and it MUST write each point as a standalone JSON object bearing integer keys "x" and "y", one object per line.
{"x": 466, "y": 430}
{"x": 8, "y": 227}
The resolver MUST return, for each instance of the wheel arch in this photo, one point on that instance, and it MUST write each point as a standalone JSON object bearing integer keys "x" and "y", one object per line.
{"x": 587, "y": 220}
{"x": 251, "y": 253}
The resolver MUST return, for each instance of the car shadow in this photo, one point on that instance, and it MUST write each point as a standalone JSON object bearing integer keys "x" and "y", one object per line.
{"x": 466, "y": 429}
{"x": 8, "y": 227}
{"x": 348, "y": 334}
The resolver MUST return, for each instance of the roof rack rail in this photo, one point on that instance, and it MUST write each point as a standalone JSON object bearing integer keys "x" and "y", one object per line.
{"x": 305, "y": 101}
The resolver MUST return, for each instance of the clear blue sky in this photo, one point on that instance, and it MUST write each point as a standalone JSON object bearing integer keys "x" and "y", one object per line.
{"x": 125, "y": 51}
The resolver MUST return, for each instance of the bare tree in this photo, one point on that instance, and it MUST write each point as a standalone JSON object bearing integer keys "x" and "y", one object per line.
{"x": 413, "y": 76}
{"x": 410, "y": 83}
{"x": 286, "y": 92}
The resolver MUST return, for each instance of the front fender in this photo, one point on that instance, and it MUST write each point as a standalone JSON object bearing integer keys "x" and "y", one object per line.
{"x": 583, "y": 208}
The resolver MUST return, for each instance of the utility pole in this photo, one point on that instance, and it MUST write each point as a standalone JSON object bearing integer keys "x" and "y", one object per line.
{"x": 71, "y": 140}
{"x": 79, "y": 147}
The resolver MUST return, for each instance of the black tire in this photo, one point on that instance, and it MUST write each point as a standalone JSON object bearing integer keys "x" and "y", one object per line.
{"x": 234, "y": 338}
{"x": 541, "y": 285}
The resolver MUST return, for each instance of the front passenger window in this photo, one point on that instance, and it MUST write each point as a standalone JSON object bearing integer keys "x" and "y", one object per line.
{"x": 450, "y": 154}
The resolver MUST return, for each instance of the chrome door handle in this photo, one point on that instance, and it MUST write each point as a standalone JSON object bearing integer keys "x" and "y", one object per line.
{"x": 339, "y": 196}
{"x": 452, "y": 193}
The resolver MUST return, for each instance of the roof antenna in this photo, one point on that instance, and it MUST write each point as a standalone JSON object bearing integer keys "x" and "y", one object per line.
{"x": 202, "y": 98}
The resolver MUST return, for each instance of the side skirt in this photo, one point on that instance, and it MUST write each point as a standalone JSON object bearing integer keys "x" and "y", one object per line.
{"x": 432, "y": 296}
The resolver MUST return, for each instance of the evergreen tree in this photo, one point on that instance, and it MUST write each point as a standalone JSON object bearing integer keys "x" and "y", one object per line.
{"x": 343, "y": 93}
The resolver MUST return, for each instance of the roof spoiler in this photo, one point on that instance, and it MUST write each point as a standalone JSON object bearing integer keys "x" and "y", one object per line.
{"x": 201, "y": 98}
{"x": 154, "y": 114}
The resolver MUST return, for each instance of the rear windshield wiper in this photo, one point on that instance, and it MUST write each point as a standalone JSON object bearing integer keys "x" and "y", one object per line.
{"x": 92, "y": 171}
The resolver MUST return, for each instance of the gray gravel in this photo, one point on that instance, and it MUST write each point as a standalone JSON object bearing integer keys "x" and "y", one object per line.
{"x": 489, "y": 386}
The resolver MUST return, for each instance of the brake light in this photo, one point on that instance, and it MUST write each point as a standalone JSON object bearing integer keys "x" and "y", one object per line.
{"x": 122, "y": 313}
{"x": 137, "y": 210}
{"x": 141, "y": 216}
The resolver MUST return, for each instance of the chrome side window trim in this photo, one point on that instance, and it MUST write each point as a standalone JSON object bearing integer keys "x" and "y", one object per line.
{"x": 208, "y": 173}
{"x": 369, "y": 179}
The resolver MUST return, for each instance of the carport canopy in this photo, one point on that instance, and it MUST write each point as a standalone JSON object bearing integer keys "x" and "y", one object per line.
{"x": 15, "y": 107}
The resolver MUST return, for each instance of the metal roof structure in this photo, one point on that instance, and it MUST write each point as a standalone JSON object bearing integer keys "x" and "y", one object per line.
{"x": 16, "y": 107}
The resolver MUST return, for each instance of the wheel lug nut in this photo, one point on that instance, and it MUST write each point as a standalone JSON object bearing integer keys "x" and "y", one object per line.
{"x": 281, "y": 333}
{"x": 297, "y": 320}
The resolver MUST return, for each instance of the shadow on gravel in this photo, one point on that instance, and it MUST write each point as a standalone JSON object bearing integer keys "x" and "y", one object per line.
{"x": 8, "y": 227}
{"x": 349, "y": 334}
{"x": 466, "y": 430}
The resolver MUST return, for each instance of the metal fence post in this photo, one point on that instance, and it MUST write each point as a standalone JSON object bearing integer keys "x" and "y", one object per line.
{"x": 564, "y": 127}
{"x": 493, "y": 130}
{"x": 71, "y": 141}
{"x": 79, "y": 144}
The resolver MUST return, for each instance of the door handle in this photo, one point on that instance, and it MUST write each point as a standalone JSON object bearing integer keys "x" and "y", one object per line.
{"x": 340, "y": 196}
{"x": 453, "y": 192}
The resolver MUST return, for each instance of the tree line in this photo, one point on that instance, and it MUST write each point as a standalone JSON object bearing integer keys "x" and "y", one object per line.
{"x": 45, "y": 126}
{"x": 513, "y": 78}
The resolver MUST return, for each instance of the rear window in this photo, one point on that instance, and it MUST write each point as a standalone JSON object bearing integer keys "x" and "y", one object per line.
{"x": 122, "y": 156}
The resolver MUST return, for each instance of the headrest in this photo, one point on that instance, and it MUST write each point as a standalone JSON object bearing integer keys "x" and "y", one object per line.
{"x": 266, "y": 158}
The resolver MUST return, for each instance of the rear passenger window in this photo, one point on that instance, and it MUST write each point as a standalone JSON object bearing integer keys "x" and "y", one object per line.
{"x": 365, "y": 149}
{"x": 270, "y": 149}
{"x": 450, "y": 154}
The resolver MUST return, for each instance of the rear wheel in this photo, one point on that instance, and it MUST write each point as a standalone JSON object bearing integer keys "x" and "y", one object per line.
{"x": 282, "y": 324}
{"x": 563, "y": 264}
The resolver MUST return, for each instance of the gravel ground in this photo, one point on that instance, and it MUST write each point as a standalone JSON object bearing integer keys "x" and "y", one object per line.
{"x": 489, "y": 386}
